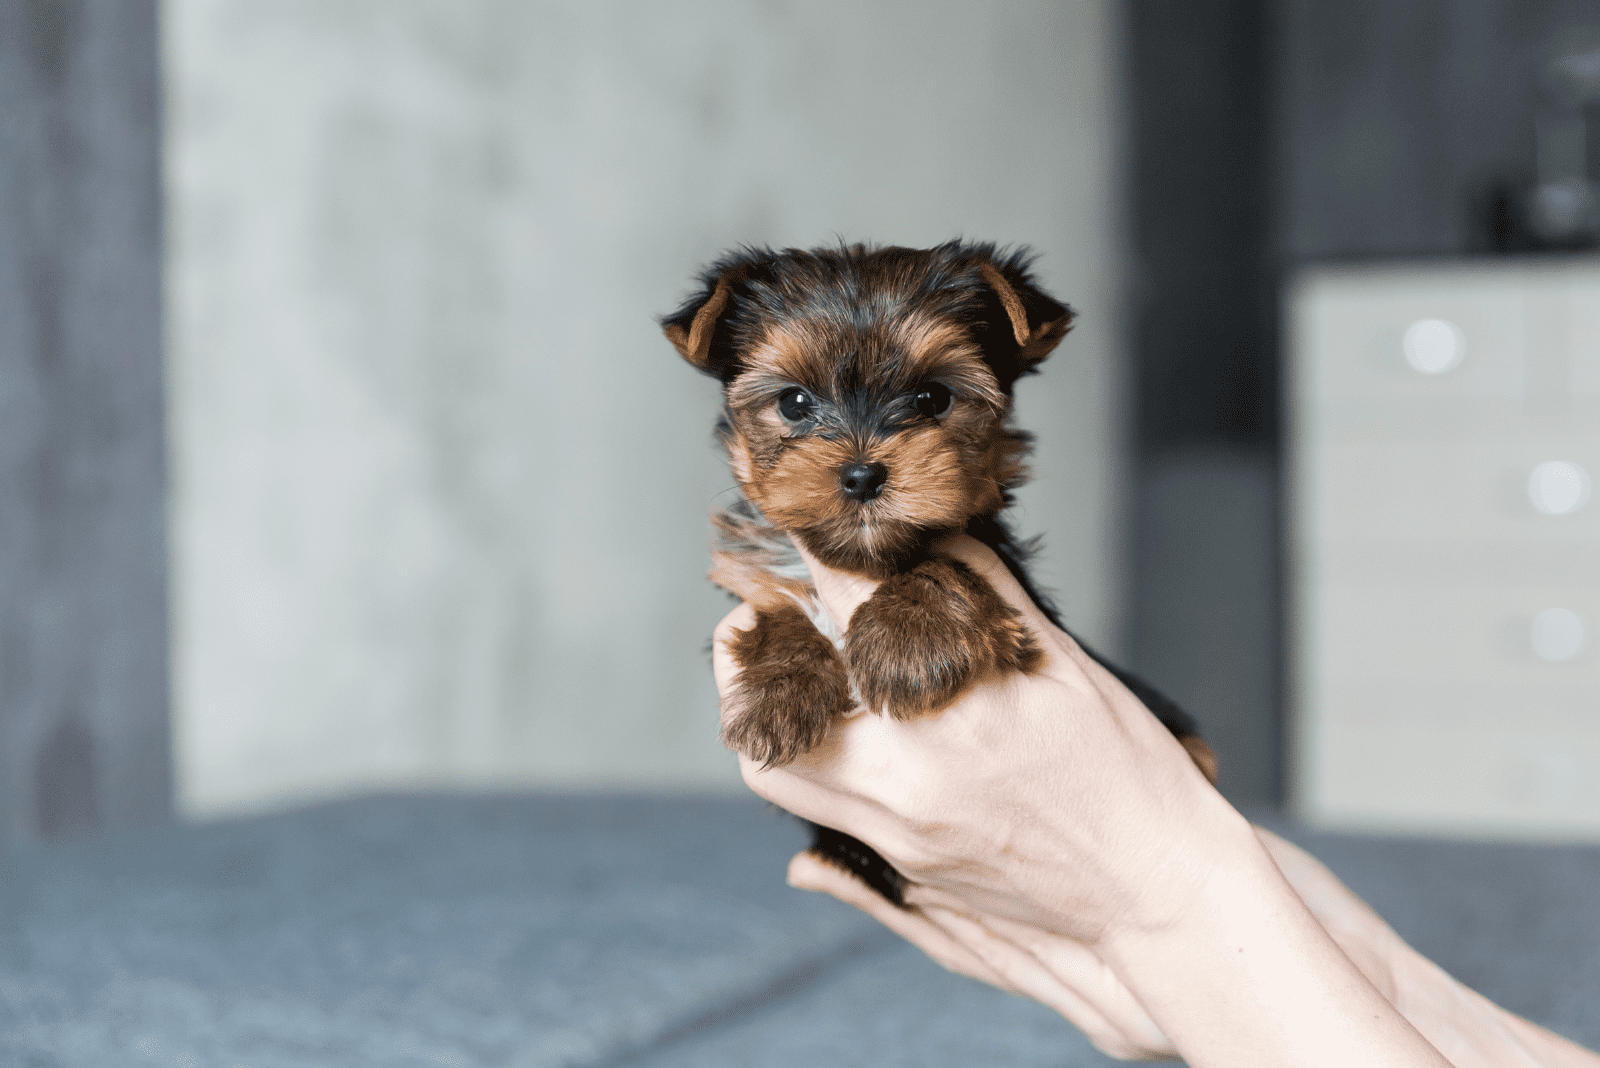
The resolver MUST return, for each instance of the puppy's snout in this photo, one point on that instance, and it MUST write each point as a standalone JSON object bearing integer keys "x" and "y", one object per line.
{"x": 862, "y": 482}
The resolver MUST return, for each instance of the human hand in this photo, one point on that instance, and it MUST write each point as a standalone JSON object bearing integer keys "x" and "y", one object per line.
{"x": 1057, "y": 801}
{"x": 1056, "y": 971}
{"x": 1072, "y": 979}
{"x": 1076, "y": 982}
{"x": 1028, "y": 792}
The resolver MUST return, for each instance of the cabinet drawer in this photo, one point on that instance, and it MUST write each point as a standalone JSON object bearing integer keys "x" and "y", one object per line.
{"x": 1451, "y": 633}
{"x": 1443, "y": 509}
{"x": 1404, "y": 776}
{"x": 1574, "y": 332}
{"x": 1453, "y": 333}
{"x": 1540, "y": 487}
{"x": 1436, "y": 563}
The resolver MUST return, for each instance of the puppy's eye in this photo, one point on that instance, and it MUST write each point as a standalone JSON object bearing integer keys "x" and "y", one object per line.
{"x": 796, "y": 405}
{"x": 932, "y": 399}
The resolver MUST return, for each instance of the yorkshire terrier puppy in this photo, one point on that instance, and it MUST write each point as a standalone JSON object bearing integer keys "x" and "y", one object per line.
{"x": 867, "y": 407}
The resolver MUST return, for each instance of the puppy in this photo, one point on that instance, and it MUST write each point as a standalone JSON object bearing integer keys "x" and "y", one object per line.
{"x": 867, "y": 417}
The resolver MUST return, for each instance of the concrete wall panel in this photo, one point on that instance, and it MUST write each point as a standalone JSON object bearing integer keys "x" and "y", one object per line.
{"x": 84, "y": 743}
{"x": 440, "y": 485}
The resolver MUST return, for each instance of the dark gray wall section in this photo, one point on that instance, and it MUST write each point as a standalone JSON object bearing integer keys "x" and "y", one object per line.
{"x": 1268, "y": 134}
{"x": 1203, "y": 615}
{"x": 1398, "y": 119}
{"x": 1202, "y": 228}
{"x": 1207, "y": 634}
{"x": 84, "y": 738}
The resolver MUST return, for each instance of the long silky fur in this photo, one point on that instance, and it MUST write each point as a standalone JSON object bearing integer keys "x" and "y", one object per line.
{"x": 859, "y": 328}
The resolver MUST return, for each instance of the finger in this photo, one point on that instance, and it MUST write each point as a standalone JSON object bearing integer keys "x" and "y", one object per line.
{"x": 833, "y": 783}
{"x": 1024, "y": 972}
{"x": 1081, "y": 970}
{"x": 1066, "y": 976}
{"x": 723, "y": 666}
{"x": 841, "y": 593}
{"x": 1016, "y": 966}
{"x": 987, "y": 563}
{"x": 808, "y": 872}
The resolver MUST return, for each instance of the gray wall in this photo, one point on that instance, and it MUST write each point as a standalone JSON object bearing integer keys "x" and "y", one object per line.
{"x": 1203, "y": 587}
{"x": 440, "y": 487}
{"x": 1397, "y": 121}
{"x": 83, "y": 621}
{"x": 1268, "y": 134}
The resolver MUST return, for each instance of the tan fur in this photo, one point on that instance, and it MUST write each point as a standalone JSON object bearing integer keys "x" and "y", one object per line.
{"x": 1037, "y": 342}
{"x": 695, "y": 345}
{"x": 928, "y": 489}
{"x": 927, "y": 633}
{"x": 1203, "y": 756}
{"x": 1008, "y": 298}
{"x": 861, "y": 355}
{"x": 792, "y": 688}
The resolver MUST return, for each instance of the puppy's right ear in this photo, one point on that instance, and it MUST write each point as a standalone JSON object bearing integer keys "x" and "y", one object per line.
{"x": 706, "y": 329}
{"x": 693, "y": 327}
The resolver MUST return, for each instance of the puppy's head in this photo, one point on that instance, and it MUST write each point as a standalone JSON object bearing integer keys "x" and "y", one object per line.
{"x": 867, "y": 389}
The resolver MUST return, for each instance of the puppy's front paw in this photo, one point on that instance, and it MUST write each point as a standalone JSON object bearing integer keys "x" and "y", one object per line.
{"x": 792, "y": 686}
{"x": 924, "y": 634}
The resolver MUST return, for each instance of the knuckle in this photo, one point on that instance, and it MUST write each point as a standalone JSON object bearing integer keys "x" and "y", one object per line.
{"x": 752, "y": 773}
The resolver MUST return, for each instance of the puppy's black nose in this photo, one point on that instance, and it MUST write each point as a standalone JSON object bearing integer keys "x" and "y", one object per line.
{"x": 862, "y": 482}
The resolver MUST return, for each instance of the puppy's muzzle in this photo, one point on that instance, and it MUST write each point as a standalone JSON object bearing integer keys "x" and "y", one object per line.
{"x": 862, "y": 482}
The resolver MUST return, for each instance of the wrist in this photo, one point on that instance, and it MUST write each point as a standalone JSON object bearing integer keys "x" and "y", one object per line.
{"x": 1214, "y": 902}
{"x": 1245, "y": 975}
{"x": 1182, "y": 866}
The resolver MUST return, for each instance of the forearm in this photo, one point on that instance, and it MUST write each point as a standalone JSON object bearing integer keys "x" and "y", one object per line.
{"x": 1469, "y": 1029}
{"x": 1247, "y": 976}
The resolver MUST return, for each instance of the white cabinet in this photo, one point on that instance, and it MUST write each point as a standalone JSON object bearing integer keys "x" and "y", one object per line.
{"x": 1444, "y": 548}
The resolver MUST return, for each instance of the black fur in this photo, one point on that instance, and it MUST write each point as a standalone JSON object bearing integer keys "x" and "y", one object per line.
{"x": 766, "y": 286}
{"x": 796, "y": 283}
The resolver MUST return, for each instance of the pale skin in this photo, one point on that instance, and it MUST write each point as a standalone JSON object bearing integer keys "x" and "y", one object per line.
{"x": 1063, "y": 846}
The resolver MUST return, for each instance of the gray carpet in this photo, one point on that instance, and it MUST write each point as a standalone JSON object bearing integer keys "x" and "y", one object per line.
{"x": 546, "y": 931}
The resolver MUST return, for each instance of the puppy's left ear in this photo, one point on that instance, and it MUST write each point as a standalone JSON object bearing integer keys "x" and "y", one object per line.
{"x": 1037, "y": 320}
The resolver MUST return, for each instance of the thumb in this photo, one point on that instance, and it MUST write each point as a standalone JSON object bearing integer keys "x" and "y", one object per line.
{"x": 840, "y": 592}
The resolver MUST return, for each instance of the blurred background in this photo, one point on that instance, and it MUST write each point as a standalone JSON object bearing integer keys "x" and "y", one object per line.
{"x": 340, "y": 452}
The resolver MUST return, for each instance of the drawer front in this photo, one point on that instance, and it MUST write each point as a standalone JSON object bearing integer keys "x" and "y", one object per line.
{"x": 1444, "y": 541}
{"x": 1518, "y": 635}
{"x": 1540, "y": 487}
{"x": 1438, "y": 707}
{"x": 1577, "y": 334}
{"x": 1438, "y": 563}
{"x": 1481, "y": 778}
{"x": 1457, "y": 350}
{"x": 1428, "y": 338}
